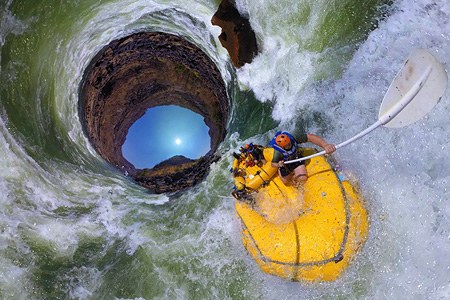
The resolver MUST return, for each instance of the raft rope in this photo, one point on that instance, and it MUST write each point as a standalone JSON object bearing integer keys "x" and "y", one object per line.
{"x": 336, "y": 258}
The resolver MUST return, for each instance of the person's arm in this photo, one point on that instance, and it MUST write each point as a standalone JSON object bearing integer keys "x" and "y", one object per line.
{"x": 277, "y": 160}
{"x": 317, "y": 140}
{"x": 278, "y": 164}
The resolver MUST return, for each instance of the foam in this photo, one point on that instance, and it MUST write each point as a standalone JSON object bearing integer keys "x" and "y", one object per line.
{"x": 403, "y": 173}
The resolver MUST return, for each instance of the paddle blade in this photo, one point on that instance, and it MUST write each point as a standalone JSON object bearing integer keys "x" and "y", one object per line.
{"x": 416, "y": 89}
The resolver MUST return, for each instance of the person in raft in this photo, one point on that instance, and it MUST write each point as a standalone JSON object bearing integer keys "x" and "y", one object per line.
{"x": 287, "y": 148}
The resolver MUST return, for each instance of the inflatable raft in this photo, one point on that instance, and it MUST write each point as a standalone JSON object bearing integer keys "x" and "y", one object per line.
{"x": 303, "y": 234}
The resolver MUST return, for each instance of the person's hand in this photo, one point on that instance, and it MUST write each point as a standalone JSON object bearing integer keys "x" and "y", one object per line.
{"x": 329, "y": 148}
{"x": 280, "y": 163}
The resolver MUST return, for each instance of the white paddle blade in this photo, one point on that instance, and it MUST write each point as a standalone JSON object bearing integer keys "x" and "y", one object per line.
{"x": 415, "y": 90}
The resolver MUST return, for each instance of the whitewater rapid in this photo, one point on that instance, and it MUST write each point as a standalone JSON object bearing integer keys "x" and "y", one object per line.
{"x": 73, "y": 227}
{"x": 403, "y": 173}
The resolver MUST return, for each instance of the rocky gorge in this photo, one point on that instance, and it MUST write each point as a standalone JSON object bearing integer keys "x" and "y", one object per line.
{"x": 148, "y": 69}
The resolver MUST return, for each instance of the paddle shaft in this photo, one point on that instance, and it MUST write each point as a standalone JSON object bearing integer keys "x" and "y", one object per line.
{"x": 388, "y": 116}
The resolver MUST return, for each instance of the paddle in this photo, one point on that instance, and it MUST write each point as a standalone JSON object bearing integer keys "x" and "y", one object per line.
{"x": 415, "y": 90}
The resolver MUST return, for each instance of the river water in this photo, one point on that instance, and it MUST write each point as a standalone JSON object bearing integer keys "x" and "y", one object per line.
{"x": 72, "y": 227}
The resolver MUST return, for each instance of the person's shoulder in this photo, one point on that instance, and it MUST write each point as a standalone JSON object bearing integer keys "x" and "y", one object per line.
{"x": 303, "y": 137}
{"x": 300, "y": 135}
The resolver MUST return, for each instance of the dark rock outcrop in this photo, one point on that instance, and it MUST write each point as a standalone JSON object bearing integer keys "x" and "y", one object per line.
{"x": 184, "y": 175}
{"x": 145, "y": 70}
{"x": 237, "y": 35}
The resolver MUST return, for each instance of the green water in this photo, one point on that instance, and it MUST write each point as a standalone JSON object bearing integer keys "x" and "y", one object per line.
{"x": 73, "y": 227}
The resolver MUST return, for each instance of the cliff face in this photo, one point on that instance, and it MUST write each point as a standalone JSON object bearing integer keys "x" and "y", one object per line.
{"x": 145, "y": 70}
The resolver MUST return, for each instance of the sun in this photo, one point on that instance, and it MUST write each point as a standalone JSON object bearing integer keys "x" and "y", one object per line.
{"x": 178, "y": 141}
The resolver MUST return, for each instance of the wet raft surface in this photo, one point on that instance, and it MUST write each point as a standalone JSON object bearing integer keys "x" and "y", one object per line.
{"x": 308, "y": 234}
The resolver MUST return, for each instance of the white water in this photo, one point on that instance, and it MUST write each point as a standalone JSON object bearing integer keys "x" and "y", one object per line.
{"x": 403, "y": 173}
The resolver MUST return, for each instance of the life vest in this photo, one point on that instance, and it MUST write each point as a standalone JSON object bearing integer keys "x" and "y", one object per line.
{"x": 286, "y": 153}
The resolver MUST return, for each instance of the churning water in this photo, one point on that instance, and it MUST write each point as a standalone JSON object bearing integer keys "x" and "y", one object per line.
{"x": 72, "y": 227}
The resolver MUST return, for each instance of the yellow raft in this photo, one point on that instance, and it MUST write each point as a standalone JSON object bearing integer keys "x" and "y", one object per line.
{"x": 302, "y": 234}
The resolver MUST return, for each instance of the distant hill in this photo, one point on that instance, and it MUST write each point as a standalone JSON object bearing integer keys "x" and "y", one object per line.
{"x": 173, "y": 161}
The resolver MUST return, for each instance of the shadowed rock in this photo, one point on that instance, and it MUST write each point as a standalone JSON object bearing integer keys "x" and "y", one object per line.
{"x": 237, "y": 35}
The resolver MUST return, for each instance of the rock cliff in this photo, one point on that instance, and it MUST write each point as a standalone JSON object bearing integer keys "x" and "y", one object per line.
{"x": 141, "y": 71}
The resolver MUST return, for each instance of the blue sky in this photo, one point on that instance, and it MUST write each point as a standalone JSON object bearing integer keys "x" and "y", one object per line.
{"x": 165, "y": 131}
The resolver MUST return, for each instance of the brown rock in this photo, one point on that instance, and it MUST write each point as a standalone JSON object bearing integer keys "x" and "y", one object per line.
{"x": 237, "y": 35}
{"x": 182, "y": 176}
{"x": 145, "y": 70}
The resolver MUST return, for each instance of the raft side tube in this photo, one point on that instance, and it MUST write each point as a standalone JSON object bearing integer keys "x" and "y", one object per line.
{"x": 318, "y": 245}
{"x": 254, "y": 177}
